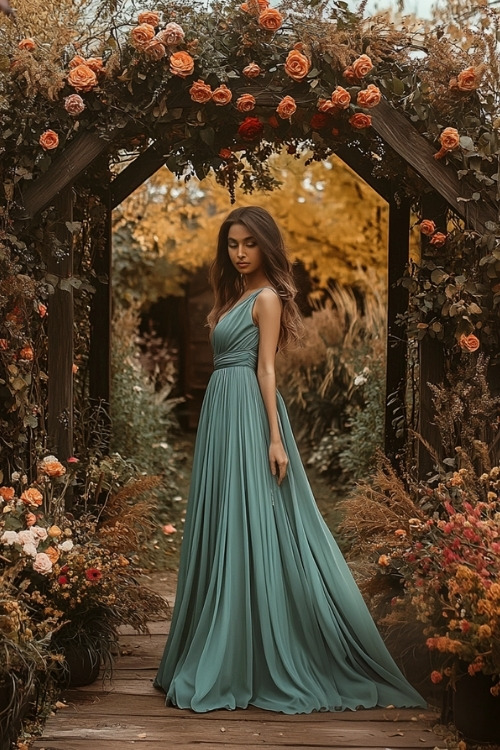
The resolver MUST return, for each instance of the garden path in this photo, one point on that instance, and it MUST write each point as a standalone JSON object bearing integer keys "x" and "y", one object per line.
{"x": 128, "y": 712}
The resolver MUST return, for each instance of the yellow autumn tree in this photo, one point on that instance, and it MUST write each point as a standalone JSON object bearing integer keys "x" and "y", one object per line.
{"x": 333, "y": 223}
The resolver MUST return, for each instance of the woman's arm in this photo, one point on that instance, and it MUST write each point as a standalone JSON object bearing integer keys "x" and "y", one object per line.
{"x": 267, "y": 315}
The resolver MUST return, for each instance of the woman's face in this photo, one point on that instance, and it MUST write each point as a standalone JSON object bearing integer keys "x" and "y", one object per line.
{"x": 244, "y": 252}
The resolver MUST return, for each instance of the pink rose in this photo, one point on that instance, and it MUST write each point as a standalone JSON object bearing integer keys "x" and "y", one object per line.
{"x": 171, "y": 35}
{"x": 42, "y": 563}
{"x": 74, "y": 104}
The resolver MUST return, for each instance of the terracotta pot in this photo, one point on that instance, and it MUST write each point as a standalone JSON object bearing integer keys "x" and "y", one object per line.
{"x": 476, "y": 712}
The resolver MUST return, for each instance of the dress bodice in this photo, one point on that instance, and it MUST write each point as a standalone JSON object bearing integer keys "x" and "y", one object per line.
{"x": 235, "y": 338}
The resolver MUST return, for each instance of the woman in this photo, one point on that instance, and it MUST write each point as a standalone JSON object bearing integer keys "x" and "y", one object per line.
{"x": 267, "y": 612}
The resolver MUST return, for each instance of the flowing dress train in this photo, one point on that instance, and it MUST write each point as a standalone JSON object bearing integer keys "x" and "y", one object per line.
{"x": 267, "y": 612}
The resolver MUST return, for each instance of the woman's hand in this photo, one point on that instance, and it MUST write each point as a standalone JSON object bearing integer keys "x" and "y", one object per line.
{"x": 278, "y": 460}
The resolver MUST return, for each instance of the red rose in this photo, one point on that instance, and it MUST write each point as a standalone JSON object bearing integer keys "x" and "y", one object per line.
{"x": 318, "y": 121}
{"x": 250, "y": 129}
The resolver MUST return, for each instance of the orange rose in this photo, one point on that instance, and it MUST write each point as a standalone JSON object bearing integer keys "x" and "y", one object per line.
{"x": 270, "y": 19}
{"x": 436, "y": 676}
{"x": 350, "y": 75}
{"x": 200, "y": 92}
{"x": 427, "y": 227}
{"x": 28, "y": 44}
{"x": 438, "y": 239}
{"x": 469, "y": 343}
{"x": 286, "y": 107}
{"x": 95, "y": 64}
{"x": 326, "y": 106}
{"x": 82, "y": 78}
{"x": 77, "y": 60}
{"x": 341, "y": 98}
{"x": 53, "y": 468}
{"x": 468, "y": 80}
{"x": 252, "y": 71}
{"x": 450, "y": 139}
{"x": 245, "y": 103}
{"x": 154, "y": 49}
{"x": 359, "y": 121}
{"x": 222, "y": 95}
{"x": 384, "y": 560}
{"x": 52, "y": 554}
{"x": 30, "y": 519}
{"x": 362, "y": 66}
{"x": 254, "y": 7}
{"x": 32, "y": 497}
{"x": 369, "y": 97}
{"x": 297, "y": 65}
{"x": 7, "y": 493}
{"x": 141, "y": 35}
{"x": 49, "y": 140}
{"x": 150, "y": 17}
{"x": 42, "y": 310}
{"x": 26, "y": 353}
{"x": 181, "y": 64}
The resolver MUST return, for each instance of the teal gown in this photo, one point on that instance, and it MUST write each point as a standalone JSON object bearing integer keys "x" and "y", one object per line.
{"x": 267, "y": 612}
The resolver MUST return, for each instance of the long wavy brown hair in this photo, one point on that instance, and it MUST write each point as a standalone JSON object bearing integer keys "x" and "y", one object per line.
{"x": 228, "y": 284}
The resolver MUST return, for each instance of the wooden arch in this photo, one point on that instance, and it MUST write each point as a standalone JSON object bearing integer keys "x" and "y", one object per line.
{"x": 87, "y": 150}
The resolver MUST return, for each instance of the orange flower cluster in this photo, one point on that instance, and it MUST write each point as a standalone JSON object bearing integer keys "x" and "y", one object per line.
{"x": 454, "y": 563}
{"x": 428, "y": 228}
{"x": 358, "y": 70}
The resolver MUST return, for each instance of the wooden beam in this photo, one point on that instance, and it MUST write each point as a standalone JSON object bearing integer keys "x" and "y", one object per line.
{"x": 100, "y": 317}
{"x": 400, "y": 135}
{"x": 431, "y": 361}
{"x": 132, "y": 177}
{"x": 60, "y": 337}
{"x": 364, "y": 167}
{"x": 397, "y": 304}
{"x": 65, "y": 168}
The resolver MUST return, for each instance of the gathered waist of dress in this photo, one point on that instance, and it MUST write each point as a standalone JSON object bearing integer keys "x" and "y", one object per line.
{"x": 236, "y": 359}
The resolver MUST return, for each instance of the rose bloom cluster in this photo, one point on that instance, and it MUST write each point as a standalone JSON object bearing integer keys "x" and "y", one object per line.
{"x": 27, "y": 536}
{"x": 452, "y": 569}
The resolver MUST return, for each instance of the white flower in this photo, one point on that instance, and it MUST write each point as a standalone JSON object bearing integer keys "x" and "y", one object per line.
{"x": 66, "y": 546}
{"x": 42, "y": 563}
{"x": 9, "y": 537}
{"x": 29, "y": 549}
{"x": 39, "y": 533}
{"x": 49, "y": 459}
{"x": 27, "y": 537}
{"x": 359, "y": 380}
{"x": 15, "y": 476}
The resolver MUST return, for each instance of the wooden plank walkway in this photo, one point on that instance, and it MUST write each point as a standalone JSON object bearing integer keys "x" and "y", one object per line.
{"x": 127, "y": 712}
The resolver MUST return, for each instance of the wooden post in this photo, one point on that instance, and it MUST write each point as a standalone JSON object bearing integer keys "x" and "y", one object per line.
{"x": 431, "y": 359}
{"x": 397, "y": 304}
{"x": 60, "y": 336}
{"x": 100, "y": 315}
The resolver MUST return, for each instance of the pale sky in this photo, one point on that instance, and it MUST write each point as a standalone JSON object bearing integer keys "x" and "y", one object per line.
{"x": 418, "y": 7}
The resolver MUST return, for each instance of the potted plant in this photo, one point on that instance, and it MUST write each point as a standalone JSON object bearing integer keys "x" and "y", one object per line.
{"x": 76, "y": 573}
{"x": 26, "y": 663}
{"x": 451, "y": 567}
